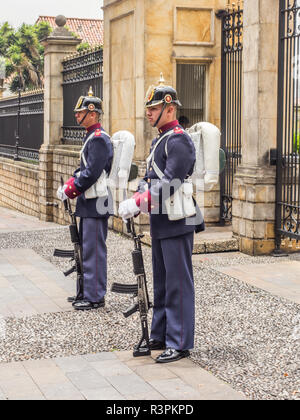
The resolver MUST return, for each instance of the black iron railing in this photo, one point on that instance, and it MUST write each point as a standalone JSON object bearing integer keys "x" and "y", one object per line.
{"x": 231, "y": 103}
{"x": 288, "y": 123}
{"x": 22, "y": 126}
{"x": 80, "y": 71}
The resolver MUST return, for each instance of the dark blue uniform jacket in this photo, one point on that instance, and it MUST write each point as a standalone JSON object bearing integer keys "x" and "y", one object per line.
{"x": 98, "y": 154}
{"x": 178, "y": 163}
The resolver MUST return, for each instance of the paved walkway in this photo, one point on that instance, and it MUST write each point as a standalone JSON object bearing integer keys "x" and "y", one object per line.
{"x": 281, "y": 278}
{"x": 30, "y": 285}
{"x": 110, "y": 376}
{"x": 13, "y": 221}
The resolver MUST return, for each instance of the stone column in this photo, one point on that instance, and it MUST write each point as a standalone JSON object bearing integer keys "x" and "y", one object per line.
{"x": 254, "y": 184}
{"x": 59, "y": 44}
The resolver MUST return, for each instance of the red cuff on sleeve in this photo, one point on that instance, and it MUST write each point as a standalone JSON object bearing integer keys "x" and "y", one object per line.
{"x": 71, "y": 191}
{"x": 143, "y": 201}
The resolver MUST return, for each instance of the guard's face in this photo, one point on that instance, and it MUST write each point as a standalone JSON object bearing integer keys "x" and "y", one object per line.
{"x": 80, "y": 115}
{"x": 153, "y": 113}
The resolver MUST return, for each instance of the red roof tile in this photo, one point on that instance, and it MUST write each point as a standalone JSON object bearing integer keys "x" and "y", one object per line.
{"x": 89, "y": 30}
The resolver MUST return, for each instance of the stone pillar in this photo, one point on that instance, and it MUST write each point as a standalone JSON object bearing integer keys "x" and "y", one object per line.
{"x": 254, "y": 184}
{"x": 59, "y": 44}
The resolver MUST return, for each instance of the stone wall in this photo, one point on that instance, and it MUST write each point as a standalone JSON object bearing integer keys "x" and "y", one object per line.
{"x": 19, "y": 186}
{"x": 31, "y": 188}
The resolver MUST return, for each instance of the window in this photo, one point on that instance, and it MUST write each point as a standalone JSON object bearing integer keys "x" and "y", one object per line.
{"x": 191, "y": 89}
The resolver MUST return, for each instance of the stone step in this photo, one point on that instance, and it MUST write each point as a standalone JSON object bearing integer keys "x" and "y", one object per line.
{"x": 214, "y": 239}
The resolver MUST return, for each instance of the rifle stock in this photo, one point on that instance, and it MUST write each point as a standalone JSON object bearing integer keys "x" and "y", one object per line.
{"x": 64, "y": 253}
{"x": 139, "y": 291}
{"x": 75, "y": 254}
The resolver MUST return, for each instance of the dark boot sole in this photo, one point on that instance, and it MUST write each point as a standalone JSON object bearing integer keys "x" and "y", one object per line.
{"x": 88, "y": 309}
{"x": 175, "y": 359}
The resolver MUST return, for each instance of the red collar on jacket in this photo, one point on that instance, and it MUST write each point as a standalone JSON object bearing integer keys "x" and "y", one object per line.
{"x": 168, "y": 126}
{"x": 93, "y": 127}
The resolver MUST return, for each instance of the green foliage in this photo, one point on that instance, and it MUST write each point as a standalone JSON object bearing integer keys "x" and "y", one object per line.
{"x": 83, "y": 46}
{"x": 7, "y": 37}
{"x": 296, "y": 143}
{"x": 24, "y": 54}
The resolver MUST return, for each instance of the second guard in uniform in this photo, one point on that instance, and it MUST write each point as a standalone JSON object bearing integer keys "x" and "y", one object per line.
{"x": 88, "y": 185}
{"x": 171, "y": 162}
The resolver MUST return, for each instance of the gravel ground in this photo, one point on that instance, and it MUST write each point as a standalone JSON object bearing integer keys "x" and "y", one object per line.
{"x": 244, "y": 336}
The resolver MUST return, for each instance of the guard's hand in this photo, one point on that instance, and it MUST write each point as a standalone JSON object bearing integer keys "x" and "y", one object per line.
{"x": 128, "y": 209}
{"x": 61, "y": 193}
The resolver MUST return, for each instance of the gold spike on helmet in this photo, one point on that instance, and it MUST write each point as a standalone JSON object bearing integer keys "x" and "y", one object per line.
{"x": 90, "y": 102}
{"x": 161, "y": 94}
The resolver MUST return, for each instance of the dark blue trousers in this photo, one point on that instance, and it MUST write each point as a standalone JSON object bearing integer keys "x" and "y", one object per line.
{"x": 94, "y": 254}
{"x": 174, "y": 301}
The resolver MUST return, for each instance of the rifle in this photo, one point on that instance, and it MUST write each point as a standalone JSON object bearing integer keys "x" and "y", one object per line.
{"x": 76, "y": 254}
{"x": 139, "y": 291}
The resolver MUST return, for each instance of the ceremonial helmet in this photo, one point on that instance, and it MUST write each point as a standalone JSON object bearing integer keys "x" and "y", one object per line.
{"x": 161, "y": 94}
{"x": 90, "y": 102}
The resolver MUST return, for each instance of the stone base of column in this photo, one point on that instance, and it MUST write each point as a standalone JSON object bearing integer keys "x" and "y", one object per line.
{"x": 45, "y": 184}
{"x": 253, "y": 209}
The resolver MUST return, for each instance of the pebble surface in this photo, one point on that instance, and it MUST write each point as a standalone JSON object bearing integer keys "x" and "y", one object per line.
{"x": 244, "y": 335}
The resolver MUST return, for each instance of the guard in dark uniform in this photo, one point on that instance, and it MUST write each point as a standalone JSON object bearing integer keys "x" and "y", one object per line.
{"x": 172, "y": 240}
{"x": 93, "y": 210}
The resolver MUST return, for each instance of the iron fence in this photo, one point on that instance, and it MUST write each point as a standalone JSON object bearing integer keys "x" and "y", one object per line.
{"x": 79, "y": 73}
{"x": 22, "y": 126}
{"x": 288, "y": 128}
{"x": 231, "y": 103}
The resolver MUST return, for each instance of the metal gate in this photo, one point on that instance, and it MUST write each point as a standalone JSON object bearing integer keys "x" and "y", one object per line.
{"x": 288, "y": 120}
{"x": 231, "y": 103}
{"x": 79, "y": 73}
{"x": 22, "y": 125}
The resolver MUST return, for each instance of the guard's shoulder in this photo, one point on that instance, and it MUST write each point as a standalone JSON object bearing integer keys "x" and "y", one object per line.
{"x": 181, "y": 140}
{"x": 97, "y": 133}
{"x": 180, "y": 132}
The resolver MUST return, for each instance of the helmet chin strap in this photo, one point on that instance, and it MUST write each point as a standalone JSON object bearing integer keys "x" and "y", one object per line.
{"x": 160, "y": 115}
{"x": 84, "y": 118}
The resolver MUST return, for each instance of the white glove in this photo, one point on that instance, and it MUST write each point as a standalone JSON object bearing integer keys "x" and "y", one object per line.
{"x": 128, "y": 209}
{"x": 61, "y": 193}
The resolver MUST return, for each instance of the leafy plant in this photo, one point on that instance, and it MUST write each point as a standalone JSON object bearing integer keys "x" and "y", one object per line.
{"x": 24, "y": 54}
